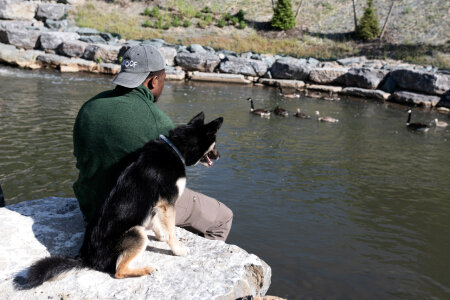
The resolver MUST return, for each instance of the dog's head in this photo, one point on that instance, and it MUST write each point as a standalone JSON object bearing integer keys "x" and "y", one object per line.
{"x": 197, "y": 140}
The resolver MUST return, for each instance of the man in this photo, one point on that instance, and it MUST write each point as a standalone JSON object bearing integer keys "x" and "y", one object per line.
{"x": 115, "y": 123}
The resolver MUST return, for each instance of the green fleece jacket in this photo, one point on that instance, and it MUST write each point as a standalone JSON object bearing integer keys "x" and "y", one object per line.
{"x": 108, "y": 127}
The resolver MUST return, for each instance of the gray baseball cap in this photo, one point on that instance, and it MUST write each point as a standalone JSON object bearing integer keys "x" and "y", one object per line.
{"x": 138, "y": 62}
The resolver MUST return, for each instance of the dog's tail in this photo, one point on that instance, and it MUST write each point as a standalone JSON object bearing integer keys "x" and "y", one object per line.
{"x": 49, "y": 268}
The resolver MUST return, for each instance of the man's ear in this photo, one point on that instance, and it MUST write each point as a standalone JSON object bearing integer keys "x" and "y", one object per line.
{"x": 198, "y": 119}
{"x": 152, "y": 82}
{"x": 213, "y": 126}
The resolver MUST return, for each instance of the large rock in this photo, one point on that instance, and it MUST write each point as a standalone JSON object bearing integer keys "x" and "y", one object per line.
{"x": 204, "y": 62}
{"x": 72, "y": 48}
{"x": 283, "y": 83}
{"x": 54, "y": 226}
{"x": 290, "y": 68}
{"x": 17, "y": 9}
{"x": 175, "y": 73}
{"x": 445, "y": 100}
{"x": 169, "y": 54}
{"x": 51, "y": 60}
{"x": 9, "y": 54}
{"x": 17, "y": 24}
{"x": 422, "y": 82}
{"x": 327, "y": 75}
{"x": 237, "y": 65}
{"x": 196, "y": 48}
{"x": 410, "y": 98}
{"x": 364, "y": 78}
{"x": 102, "y": 53}
{"x": 21, "y": 38}
{"x": 51, "y": 11}
{"x": 51, "y": 40}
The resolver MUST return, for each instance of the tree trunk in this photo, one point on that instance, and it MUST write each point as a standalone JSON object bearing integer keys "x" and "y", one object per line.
{"x": 298, "y": 9}
{"x": 354, "y": 16}
{"x": 387, "y": 20}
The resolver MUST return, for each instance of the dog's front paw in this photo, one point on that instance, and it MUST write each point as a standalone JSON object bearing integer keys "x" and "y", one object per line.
{"x": 180, "y": 250}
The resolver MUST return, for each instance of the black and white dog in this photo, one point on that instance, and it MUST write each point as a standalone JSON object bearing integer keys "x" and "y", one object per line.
{"x": 143, "y": 198}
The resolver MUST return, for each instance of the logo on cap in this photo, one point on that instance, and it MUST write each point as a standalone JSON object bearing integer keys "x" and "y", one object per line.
{"x": 129, "y": 63}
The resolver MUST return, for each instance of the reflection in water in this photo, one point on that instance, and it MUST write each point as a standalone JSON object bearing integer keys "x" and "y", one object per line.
{"x": 357, "y": 209}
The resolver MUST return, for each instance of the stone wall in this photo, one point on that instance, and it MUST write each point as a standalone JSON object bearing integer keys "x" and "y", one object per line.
{"x": 36, "y": 35}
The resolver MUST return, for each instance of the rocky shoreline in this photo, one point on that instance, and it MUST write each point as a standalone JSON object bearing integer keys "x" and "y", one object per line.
{"x": 37, "y": 35}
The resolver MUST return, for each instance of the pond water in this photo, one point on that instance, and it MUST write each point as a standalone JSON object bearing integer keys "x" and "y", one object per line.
{"x": 354, "y": 210}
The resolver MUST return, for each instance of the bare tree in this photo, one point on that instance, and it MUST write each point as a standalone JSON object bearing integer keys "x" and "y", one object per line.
{"x": 387, "y": 20}
{"x": 298, "y": 9}
{"x": 354, "y": 15}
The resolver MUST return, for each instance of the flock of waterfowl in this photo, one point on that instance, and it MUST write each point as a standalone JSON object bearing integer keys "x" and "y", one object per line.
{"x": 264, "y": 113}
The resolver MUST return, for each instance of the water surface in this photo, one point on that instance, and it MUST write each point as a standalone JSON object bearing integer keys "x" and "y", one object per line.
{"x": 354, "y": 210}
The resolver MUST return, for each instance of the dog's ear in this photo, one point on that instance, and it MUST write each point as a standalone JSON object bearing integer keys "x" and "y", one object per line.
{"x": 198, "y": 119}
{"x": 213, "y": 126}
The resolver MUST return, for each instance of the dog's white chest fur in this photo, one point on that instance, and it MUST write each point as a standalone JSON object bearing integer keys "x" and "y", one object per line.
{"x": 181, "y": 184}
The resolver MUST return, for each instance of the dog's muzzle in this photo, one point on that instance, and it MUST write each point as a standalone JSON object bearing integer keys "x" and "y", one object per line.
{"x": 207, "y": 159}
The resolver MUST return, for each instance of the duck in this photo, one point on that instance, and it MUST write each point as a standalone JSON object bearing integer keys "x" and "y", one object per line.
{"x": 415, "y": 126}
{"x": 263, "y": 113}
{"x": 288, "y": 93}
{"x": 325, "y": 119}
{"x": 301, "y": 115}
{"x": 440, "y": 123}
{"x": 313, "y": 95}
{"x": 280, "y": 111}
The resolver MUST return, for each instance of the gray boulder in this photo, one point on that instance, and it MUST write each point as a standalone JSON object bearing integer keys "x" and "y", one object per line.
{"x": 313, "y": 62}
{"x": 290, "y": 68}
{"x": 410, "y": 98}
{"x": 72, "y": 48}
{"x": 17, "y": 10}
{"x": 10, "y": 55}
{"x": 422, "y": 82}
{"x": 445, "y": 100}
{"x": 56, "y": 25}
{"x": 352, "y": 61}
{"x": 328, "y": 75}
{"x": 196, "y": 48}
{"x": 51, "y": 40}
{"x": 169, "y": 54}
{"x": 87, "y": 31}
{"x": 54, "y": 226}
{"x": 237, "y": 65}
{"x": 51, "y": 11}
{"x": 93, "y": 39}
{"x": 15, "y": 24}
{"x": 21, "y": 38}
{"x": 365, "y": 93}
{"x": 204, "y": 62}
{"x": 364, "y": 78}
{"x": 102, "y": 53}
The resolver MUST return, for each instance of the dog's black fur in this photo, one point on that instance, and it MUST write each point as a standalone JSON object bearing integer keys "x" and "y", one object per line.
{"x": 150, "y": 174}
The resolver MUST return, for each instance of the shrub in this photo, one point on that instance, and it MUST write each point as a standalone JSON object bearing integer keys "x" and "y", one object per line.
{"x": 227, "y": 17}
{"x": 147, "y": 23}
{"x": 176, "y": 22}
{"x": 242, "y": 24}
{"x": 158, "y": 23}
{"x": 206, "y": 10}
{"x": 283, "y": 17}
{"x": 234, "y": 20}
{"x": 208, "y": 19}
{"x": 198, "y": 14}
{"x": 368, "y": 27}
{"x": 147, "y": 12}
{"x": 186, "y": 23}
{"x": 202, "y": 24}
{"x": 240, "y": 15}
{"x": 221, "y": 23}
{"x": 99, "y": 60}
{"x": 155, "y": 13}
{"x": 166, "y": 26}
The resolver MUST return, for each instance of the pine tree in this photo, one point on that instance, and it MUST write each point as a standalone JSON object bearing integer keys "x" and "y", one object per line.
{"x": 368, "y": 27}
{"x": 283, "y": 17}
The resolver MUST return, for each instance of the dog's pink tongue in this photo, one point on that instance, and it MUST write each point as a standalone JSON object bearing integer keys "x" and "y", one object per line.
{"x": 210, "y": 163}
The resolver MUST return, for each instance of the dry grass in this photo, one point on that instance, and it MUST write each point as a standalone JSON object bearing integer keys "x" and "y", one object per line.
{"x": 126, "y": 20}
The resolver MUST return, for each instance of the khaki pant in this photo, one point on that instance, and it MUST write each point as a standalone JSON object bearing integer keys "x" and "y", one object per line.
{"x": 203, "y": 215}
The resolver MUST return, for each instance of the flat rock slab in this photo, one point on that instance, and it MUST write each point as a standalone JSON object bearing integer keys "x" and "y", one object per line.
{"x": 410, "y": 98}
{"x": 54, "y": 226}
{"x": 324, "y": 88}
{"x": 218, "y": 77}
{"x": 283, "y": 83}
{"x": 366, "y": 93}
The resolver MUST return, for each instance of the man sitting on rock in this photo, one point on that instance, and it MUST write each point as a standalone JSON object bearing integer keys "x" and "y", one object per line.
{"x": 117, "y": 122}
